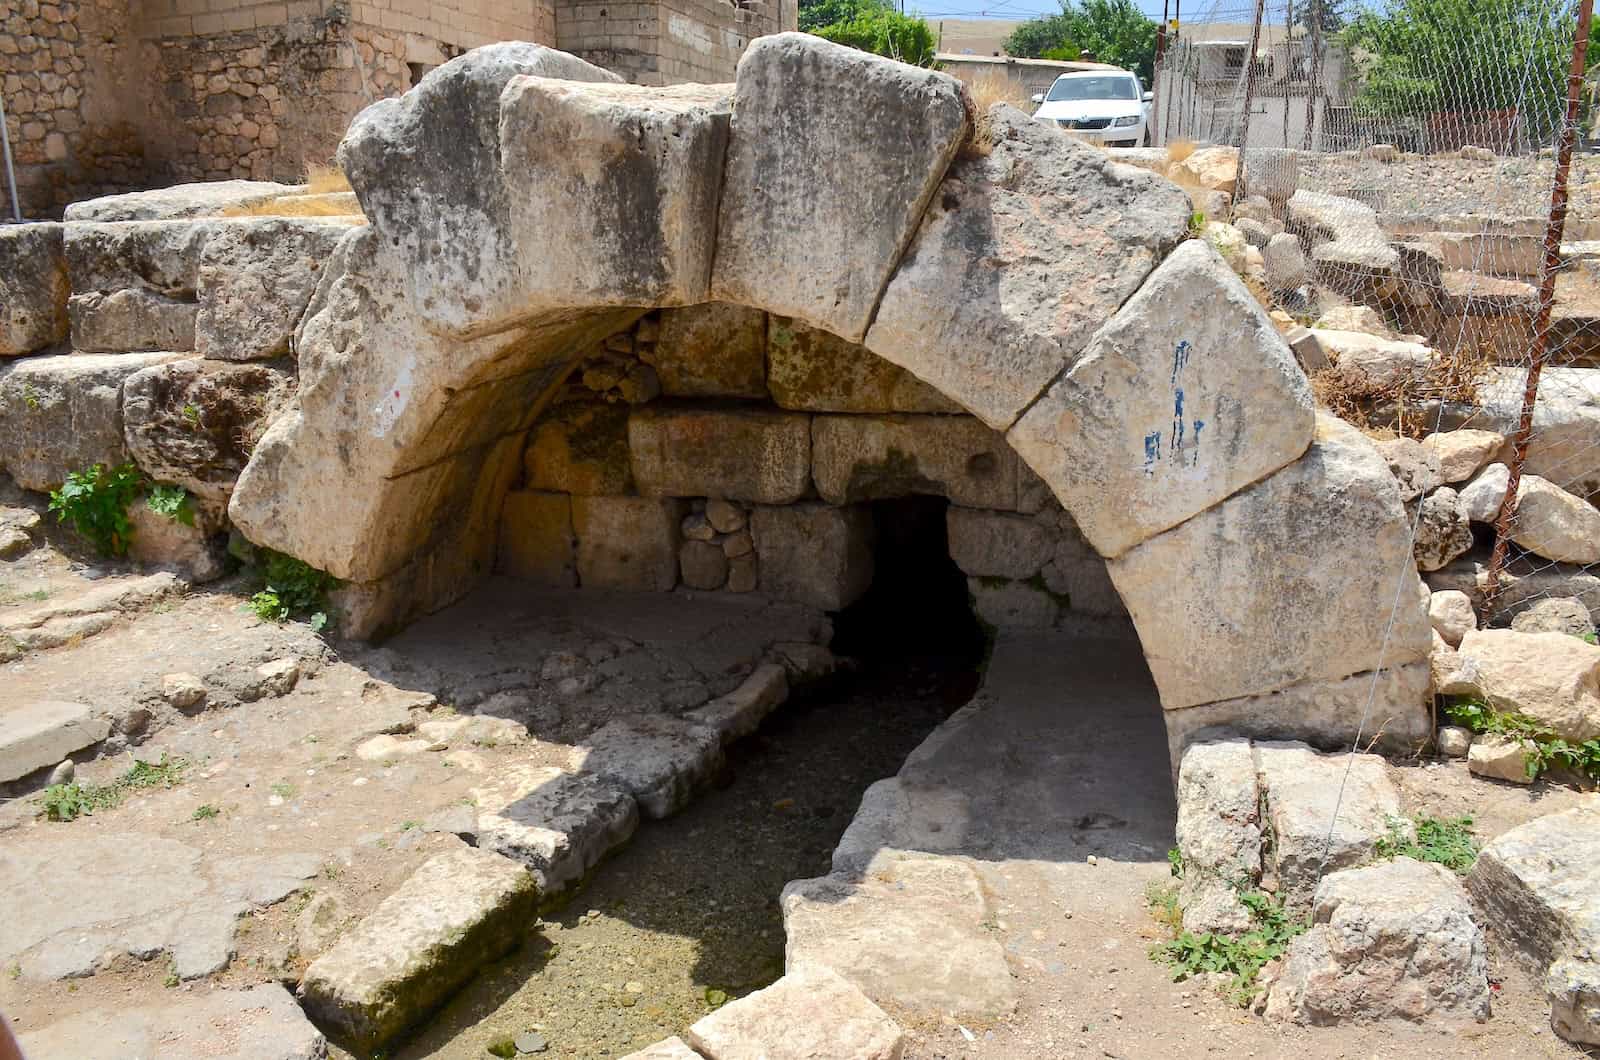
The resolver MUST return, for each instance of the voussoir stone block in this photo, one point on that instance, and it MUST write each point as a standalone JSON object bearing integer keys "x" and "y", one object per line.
{"x": 613, "y": 188}
{"x": 863, "y": 458}
{"x": 194, "y": 423}
{"x": 1187, "y": 395}
{"x": 33, "y": 287}
{"x": 756, "y": 456}
{"x": 1023, "y": 253}
{"x": 64, "y": 413}
{"x": 426, "y": 167}
{"x": 459, "y": 910}
{"x": 833, "y": 156}
{"x": 1240, "y": 599}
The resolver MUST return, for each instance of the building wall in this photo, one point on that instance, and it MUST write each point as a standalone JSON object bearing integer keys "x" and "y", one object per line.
{"x": 662, "y": 42}
{"x": 72, "y": 98}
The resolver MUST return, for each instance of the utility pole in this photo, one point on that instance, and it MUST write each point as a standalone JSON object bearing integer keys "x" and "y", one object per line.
{"x": 1155, "y": 75}
{"x": 1288, "y": 43}
{"x": 1314, "y": 13}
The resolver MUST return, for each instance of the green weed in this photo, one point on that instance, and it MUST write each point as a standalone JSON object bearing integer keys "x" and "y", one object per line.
{"x": 95, "y": 501}
{"x": 172, "y": 502}
{"x": 283, "y": 790}
{"x": 205, "y": 812}
{"x": 1443, "y": 841}
{"x": 1242, "y": 957}
{"x": 1197, "y": 224}
{"x": 1544, "y": 749}
{"x": 293, "y": 589}
{"x": 67, "y": 802}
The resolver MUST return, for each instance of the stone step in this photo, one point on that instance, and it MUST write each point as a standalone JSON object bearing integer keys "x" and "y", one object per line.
{"x": 558, "y": 824}
{"x": 83, "y": 614}
{"x": 38, "y": 735}
{"x": 261, "y": 1023}
{"x": 741, "y": 712}
{"x": 660, "y": 760}
{"x": 458, "y": 911}
{"x": 803, "y": 1016}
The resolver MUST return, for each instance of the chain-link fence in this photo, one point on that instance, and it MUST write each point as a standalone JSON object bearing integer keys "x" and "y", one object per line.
{"x": 1401, "y": 162}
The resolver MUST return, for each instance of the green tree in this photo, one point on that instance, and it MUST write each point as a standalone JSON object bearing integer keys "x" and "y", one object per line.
{"x": 1419, "y": 56}
{"x": 872, "y": 26}
{"x": 1114, "y": 31}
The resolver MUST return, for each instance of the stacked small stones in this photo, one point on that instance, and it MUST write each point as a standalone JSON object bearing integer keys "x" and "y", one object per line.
{"x": 718, "y": 551}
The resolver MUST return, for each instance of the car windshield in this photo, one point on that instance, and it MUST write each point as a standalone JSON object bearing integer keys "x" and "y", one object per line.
{"x": 1110, "y": 87}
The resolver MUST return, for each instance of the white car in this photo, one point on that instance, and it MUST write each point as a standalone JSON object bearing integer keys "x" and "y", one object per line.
{"x": 1102, "y": 106}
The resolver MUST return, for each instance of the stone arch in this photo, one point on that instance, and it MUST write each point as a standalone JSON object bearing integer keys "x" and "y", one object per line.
{"x": 524, "y": 205}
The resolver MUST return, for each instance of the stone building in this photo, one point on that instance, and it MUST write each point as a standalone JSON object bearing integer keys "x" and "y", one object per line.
{"x": 111, "y": 95}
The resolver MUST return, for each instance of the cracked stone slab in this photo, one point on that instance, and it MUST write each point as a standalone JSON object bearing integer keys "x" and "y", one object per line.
{"x": 35, "y": 735}
{"x": 1541, "y": 883}
{"x": 910, "y": 934}
{"x": 261, "y": 1023}
{"x": 459, "y": 910}
{"x": 661, "y": 761}
{"x": 559, "y": 824}
{"x": 151, "y": 896}
{"x": 740, "y": 712}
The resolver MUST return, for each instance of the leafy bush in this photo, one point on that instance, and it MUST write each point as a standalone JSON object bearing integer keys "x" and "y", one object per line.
{"x": 95, "y": 501}
{"x": 293, "y": 589}
{"x": 1544, "y": 749}
{"x": 1443, "y": 841}
{"x": 172, "y": 502}
{"x": 1115, "y": 31}
{"x": 880, "y": 29}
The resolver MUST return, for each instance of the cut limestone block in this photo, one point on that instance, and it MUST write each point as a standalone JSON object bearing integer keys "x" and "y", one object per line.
{"x": 536, "y": 538}
{"x": 1223, "y": 611}
{"x": 811, "y": 370}
{"x": 740, "y": 712}
{"x": 813, "y": 553}
{"x": 1574, "y": 988}
{"x": 1219, "y": 834}
{"x": 791, "y": 237}
{"x": 658, "y": 759}
{"x": 1309, "y": 838}
{"x": 261, "y": 1023}
{"x": 910, "y": 935}
{"x": 1388, "y": 941}
{"x": 33, "y": 288}
{"x": 1007, "y": 604}
{"x": 1020, "y": 257}
{"x": 667, "y": 1049}
{"x": 199, "y": 199}
{"x": 1461, "y": 454}
{"x": 803, "y": 1016}
{"x": 254, "y": 282}
{"x": 580, "y": 447}
{"x": 627, "y": 542}
{"x": 131, "y": 319}
{"x": 159, "y": 257}
{"x": 459, "y": 910}
{"x": 711, "y": 350}
{"x": 559, "y": 824}
{"x": 1551, "y": 677}
{"x": 863, "y": 458}
{"x": 753, "y": 456}
{"x": 623, "y": 213}
{"x": 998, "y": 545}
{"x": 63, "y": 414}
{"x": 1148, "y": 427}
{"x": 185, "y": 548}
{"x": 40, "y": 734}
{"x": 450, "y": 216}
{"x": 1500, "y": 758}
{"x": 1539, "y": 884}
{"x": 194, "y": 423}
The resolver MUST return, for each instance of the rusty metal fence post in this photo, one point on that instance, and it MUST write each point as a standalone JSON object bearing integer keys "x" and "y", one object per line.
{"x": 1554, "y": 230}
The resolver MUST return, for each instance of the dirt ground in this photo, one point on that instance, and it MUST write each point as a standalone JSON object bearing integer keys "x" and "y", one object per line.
{"x": 691, "y": 905}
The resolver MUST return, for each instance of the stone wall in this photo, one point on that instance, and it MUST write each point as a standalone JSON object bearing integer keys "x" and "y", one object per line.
{"x": 71, "y": 95}
{"x": 667, "y": 42}
{"x": 719, "y": 448}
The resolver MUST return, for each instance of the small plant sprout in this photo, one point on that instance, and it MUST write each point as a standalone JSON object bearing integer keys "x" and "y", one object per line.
{"x": 1443, "y": 841}
{"x": 205, "y": 812}
{"x": 172, "y": 502}
{"x": 293, "y": 589}
{"x": 191, "y": 416}
{"x": 95, "y": 501}
{"x": 67, "y": 802}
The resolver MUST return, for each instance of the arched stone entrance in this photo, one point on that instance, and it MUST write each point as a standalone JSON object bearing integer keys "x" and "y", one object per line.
{"x": 519, "y": 216}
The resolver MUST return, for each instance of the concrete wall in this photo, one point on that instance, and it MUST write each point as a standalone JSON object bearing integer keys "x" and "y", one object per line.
{"x": 660, "y": 42}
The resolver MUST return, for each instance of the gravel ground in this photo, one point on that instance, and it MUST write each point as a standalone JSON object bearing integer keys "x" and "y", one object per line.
{"x": 1516, "y": 187}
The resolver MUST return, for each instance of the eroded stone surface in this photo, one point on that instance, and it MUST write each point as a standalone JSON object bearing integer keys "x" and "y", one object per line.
{"x": 1539, "y": 884}
{"x": 813, "y": 371}
{"x": 803, "y": 1016}
{"x": 36, "y": 735}
{"x": 1219, "y": 834}
{"x": 1187, "y": 395}
{"x": 791, "y": 237}
{"x": 1239, "y": 600}
{"x": 712, "y": 350}
{"x": 457, "y": 911}
{"x": 254, "y": 281}
{"x": 861, "y": 458}
{"x": 747, "y": 455}
{"x": 660, "y": 760}
{"x": 260, "y": 1023}
{"x": 813, "y": 553}
{"x": 1017, "y": 263}
{"x": 559, "y": 824}
{"x": 1394, "y": 940}
{"x": 1551, "y": 677}
{"x": 33, "y": 288}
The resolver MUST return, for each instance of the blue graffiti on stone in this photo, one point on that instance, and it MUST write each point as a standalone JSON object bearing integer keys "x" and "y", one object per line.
{"x": 1184, "y": 439}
